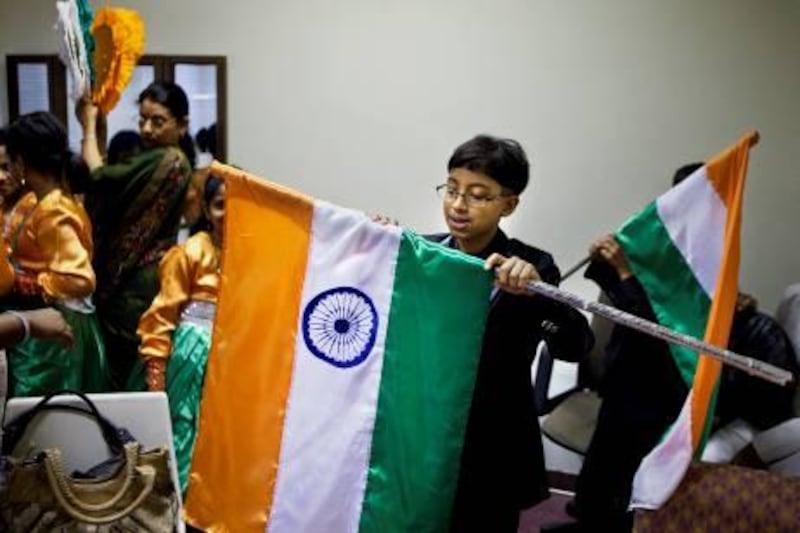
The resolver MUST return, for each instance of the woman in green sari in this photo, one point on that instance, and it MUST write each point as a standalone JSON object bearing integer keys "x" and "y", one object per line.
{"x": 136, "y": 209}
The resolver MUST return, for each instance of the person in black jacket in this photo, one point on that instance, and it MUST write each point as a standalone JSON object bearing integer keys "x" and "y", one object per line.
{"x": 759, "y": 402}
{"x": 502, "y": 466}
{"x": 642, "y": 392}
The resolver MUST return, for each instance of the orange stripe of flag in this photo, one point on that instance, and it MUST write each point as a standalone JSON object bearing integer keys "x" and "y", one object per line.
{"x": 727, "y": 173}
{"x": 265, "y": 251}
{"x": 731, "y": 161}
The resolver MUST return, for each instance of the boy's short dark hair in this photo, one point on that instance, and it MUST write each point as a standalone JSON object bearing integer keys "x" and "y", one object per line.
{"x": 503, "y": 160}
{"x": 123, "y": 145}
{"x": 684, "y": 172}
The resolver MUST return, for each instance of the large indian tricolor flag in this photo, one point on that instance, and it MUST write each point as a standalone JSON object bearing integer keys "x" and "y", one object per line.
{"x": 684, "y": 249}
{"x": 341, "y": 372}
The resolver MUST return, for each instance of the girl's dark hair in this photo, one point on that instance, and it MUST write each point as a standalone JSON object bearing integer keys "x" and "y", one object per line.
{"x": 213, "y": 183}
{"x": 206, "y": 139}
{"x": 186, "y": 144}
{"x": 168, "y": 94}
{"x": 41, "y": 141}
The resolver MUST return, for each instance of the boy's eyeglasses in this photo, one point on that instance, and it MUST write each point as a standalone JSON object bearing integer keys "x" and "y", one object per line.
{"x": 451, "y": 194}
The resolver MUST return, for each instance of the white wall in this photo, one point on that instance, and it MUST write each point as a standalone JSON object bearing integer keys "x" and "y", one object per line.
{"x": 362, "y": 101}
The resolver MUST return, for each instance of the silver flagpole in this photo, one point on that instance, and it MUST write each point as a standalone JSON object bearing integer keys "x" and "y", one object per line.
{"x": 746, "y": 364}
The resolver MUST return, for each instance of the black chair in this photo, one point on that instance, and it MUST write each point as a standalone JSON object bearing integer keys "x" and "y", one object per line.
{"x": 572, "y": 414}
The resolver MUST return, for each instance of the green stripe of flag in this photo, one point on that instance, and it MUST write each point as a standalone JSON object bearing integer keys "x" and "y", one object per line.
{"x": 677, "y": 298}
{"x": 433, "y": 344}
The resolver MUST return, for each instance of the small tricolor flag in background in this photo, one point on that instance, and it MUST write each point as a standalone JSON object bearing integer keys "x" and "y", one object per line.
{"x": 684, "y": 250}
{"x": 341, "y": 373}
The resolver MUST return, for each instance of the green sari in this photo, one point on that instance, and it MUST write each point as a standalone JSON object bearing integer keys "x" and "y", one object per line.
{"x": 39, "y": 366}
{"x": 136, "y": 208}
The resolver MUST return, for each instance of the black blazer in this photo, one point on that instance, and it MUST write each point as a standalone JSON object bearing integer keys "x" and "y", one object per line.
{"x": 502, "y": 468}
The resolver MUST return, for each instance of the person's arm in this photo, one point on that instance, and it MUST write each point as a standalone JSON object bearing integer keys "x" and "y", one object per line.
{"x": 512, "y": 274}
{"x": 159, "y": 322}
{"x": 565, "y": 329}
{"x": 610, "y": 270}
{"x": 18, "y": 326}
{"x": 110, "y": 179}
{"x": 567, "y": 333}
{"x": 88, "y": 114}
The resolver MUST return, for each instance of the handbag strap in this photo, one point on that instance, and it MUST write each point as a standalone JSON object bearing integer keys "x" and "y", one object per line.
{"x": 14, "y": 430}
{"x": 131, "y": 460}
{"x": 82, "y": 511}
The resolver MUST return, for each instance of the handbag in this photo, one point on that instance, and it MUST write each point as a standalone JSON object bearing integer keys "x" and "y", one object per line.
{"x": 131, "y": 491}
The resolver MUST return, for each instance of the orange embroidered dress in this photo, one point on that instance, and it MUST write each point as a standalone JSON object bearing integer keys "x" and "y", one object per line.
{"x": 51, "y": 250}
{"x": 176, "y": 336}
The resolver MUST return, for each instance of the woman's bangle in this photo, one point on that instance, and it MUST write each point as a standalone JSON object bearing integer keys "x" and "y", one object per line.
{"x": 26, "y": 325}
{"x": 89, "y": 137}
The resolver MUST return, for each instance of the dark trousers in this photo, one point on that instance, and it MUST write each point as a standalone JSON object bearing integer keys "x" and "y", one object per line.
{"x": 641, "y": 399}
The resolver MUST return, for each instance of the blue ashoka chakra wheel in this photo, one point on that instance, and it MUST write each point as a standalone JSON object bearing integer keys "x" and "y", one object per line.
{"x": 340, "y": 326}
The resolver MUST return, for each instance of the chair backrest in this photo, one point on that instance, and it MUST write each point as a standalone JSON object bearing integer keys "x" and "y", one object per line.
{"x": 592, "y": 369}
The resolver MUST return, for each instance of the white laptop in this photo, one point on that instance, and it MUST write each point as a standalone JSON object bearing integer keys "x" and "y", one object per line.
{"x": 144, "y": 414}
